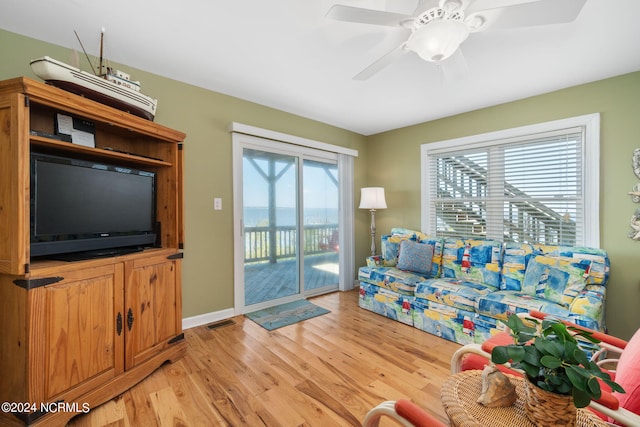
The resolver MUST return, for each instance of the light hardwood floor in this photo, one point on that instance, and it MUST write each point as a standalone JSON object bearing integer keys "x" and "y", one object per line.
{"x": 326, "y": 371}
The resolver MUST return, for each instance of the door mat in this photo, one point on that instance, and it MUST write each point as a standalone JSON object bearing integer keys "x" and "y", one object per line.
{"x": 286, "y": 314}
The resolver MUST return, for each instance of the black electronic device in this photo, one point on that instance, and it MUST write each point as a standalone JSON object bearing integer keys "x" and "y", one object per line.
{"x": 86, "y": 206}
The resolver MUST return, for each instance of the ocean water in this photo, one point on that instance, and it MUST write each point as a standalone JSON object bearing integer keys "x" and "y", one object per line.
{"x": 259, "y": 216}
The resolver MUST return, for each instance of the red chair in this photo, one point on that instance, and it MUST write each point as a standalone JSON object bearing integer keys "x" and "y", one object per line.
{"x": 615, "y": 407}
{"x": 404, "y": 411}
{"x": 332, "y": 243}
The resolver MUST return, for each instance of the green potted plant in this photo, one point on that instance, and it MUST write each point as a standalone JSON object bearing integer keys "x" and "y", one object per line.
{"x": 554, "y": 363}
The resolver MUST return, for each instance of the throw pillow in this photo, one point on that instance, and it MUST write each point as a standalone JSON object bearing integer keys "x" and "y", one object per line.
{"x": 628, "y": 375}
{"x": 472, "y": 260}
{"x": 557, "y": 279}
{"x": 415, "y": 257}
{"x": 514, "y": 265}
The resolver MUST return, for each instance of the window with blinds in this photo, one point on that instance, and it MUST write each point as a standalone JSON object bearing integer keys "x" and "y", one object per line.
{"x": 524, "y": 188}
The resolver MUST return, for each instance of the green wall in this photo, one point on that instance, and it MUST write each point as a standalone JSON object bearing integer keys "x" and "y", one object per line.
{"x": 204, "y": 116}
{"x": 616, "y": 99}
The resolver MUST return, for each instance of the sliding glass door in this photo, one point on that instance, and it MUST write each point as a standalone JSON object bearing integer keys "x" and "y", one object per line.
{"x": 321, "y": 226}
{"x": 290, "y": 223}
{"x": 270, "y": 195}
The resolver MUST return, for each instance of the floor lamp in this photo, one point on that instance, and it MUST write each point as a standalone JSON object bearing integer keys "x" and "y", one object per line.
{"x": 372, "y": 198}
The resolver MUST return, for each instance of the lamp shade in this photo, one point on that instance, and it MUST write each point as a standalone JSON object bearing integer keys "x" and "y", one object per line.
{"x": 372, "y": 198}
{"x": 438, "y": 39}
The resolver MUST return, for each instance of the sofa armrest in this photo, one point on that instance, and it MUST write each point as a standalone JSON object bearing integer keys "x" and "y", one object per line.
{"x": 374, "y": 261}
{"x": 589, "y": 304}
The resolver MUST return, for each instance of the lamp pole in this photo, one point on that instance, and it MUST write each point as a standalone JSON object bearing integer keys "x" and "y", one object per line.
{"x": 373, "y": 232}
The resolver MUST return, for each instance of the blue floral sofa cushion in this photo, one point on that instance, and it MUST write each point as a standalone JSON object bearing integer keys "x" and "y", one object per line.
{"x": 516, "y": 257}
{"x": 473, "y": 260}
{"x": 403, "y": 282}
{"x": 600, "y": 265}
{"x": 514, "y": 264}
{"x": 453, "y": 292}
{"x": 501, "y": 304}
{"x": 453, "y": 324}
{"x": 555, "y": 278}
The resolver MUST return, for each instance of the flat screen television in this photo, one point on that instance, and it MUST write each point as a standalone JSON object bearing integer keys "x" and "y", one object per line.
{"x": 90, "y": 208}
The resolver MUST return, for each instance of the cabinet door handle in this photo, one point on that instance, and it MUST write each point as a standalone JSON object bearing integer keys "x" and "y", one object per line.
{"x": 129, "y": 319}
{"x": 119, "y": 323}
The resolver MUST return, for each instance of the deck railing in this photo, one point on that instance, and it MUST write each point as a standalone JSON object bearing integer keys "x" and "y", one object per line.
{"x": 274, "y": 243}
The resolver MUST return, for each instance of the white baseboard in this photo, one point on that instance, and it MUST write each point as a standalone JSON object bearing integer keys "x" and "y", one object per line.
{"x": 203, "y": 319}
{"x": 215, "y": 316}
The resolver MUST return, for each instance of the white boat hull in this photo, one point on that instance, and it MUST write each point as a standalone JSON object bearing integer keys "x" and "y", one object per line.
{"x": 93, "y": 87}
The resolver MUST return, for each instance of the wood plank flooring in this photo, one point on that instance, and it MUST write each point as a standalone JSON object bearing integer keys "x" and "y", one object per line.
{"x": 325, "y": 371}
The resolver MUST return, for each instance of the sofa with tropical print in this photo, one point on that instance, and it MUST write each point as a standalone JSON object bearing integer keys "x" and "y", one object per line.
{"x": 461, "y": 289}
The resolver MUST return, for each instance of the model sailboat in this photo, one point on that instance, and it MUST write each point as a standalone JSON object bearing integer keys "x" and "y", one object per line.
{"x": 107, "y": 86}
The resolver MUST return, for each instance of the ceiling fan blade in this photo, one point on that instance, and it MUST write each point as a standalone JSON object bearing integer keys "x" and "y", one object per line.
{"x": 365, "y": 16}
{"x": 541, "y": 12}
{"x": 455, "y": 67}
{"x": 381, "y": 63}
{"x": 424, "y": 5}
{"x": 472, "y": 6}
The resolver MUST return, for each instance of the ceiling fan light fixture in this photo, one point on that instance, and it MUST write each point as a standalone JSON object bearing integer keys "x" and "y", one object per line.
{"x": 438, "y": 40}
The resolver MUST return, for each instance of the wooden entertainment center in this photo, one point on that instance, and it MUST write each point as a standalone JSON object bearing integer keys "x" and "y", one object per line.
{"x": 76, "y": 334}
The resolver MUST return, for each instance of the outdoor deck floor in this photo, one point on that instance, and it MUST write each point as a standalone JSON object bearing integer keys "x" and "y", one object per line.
{"x": 265, "y": 281}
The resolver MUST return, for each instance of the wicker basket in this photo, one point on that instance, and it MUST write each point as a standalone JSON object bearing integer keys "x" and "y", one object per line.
{"x": 546, "y": 409}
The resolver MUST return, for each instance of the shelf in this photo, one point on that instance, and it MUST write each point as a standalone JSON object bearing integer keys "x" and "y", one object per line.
{"x": 41, "y": 141}
{"x": 45, "y": 266}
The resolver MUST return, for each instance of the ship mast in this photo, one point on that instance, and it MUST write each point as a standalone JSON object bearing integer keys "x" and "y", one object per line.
{"x": 101, "y": 45}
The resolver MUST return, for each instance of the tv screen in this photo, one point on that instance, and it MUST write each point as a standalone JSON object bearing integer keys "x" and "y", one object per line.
{"x": 79, "y": 206}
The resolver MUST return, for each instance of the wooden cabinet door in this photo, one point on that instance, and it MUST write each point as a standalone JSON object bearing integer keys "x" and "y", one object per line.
{"x": 153, "y": 307}
{"x": 76, "y": 337}
{"x": 14, "y": 188}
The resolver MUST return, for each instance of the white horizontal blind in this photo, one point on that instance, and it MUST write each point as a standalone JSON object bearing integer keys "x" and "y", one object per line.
{"x": 524, "y": 189}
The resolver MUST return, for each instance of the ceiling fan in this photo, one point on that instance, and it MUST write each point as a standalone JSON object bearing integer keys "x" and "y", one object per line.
{"x": 439, "y": 27}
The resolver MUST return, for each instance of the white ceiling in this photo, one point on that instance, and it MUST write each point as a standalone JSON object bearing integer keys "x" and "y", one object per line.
{"x": 285, "y": 54}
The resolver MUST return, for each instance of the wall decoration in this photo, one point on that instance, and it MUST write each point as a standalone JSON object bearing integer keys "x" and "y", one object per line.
{"x": 635, "y": 226}
{"x": 635, "y": 196}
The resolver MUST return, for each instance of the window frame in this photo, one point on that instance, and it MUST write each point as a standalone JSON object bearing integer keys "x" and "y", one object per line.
{"x": 590, "y": 123}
